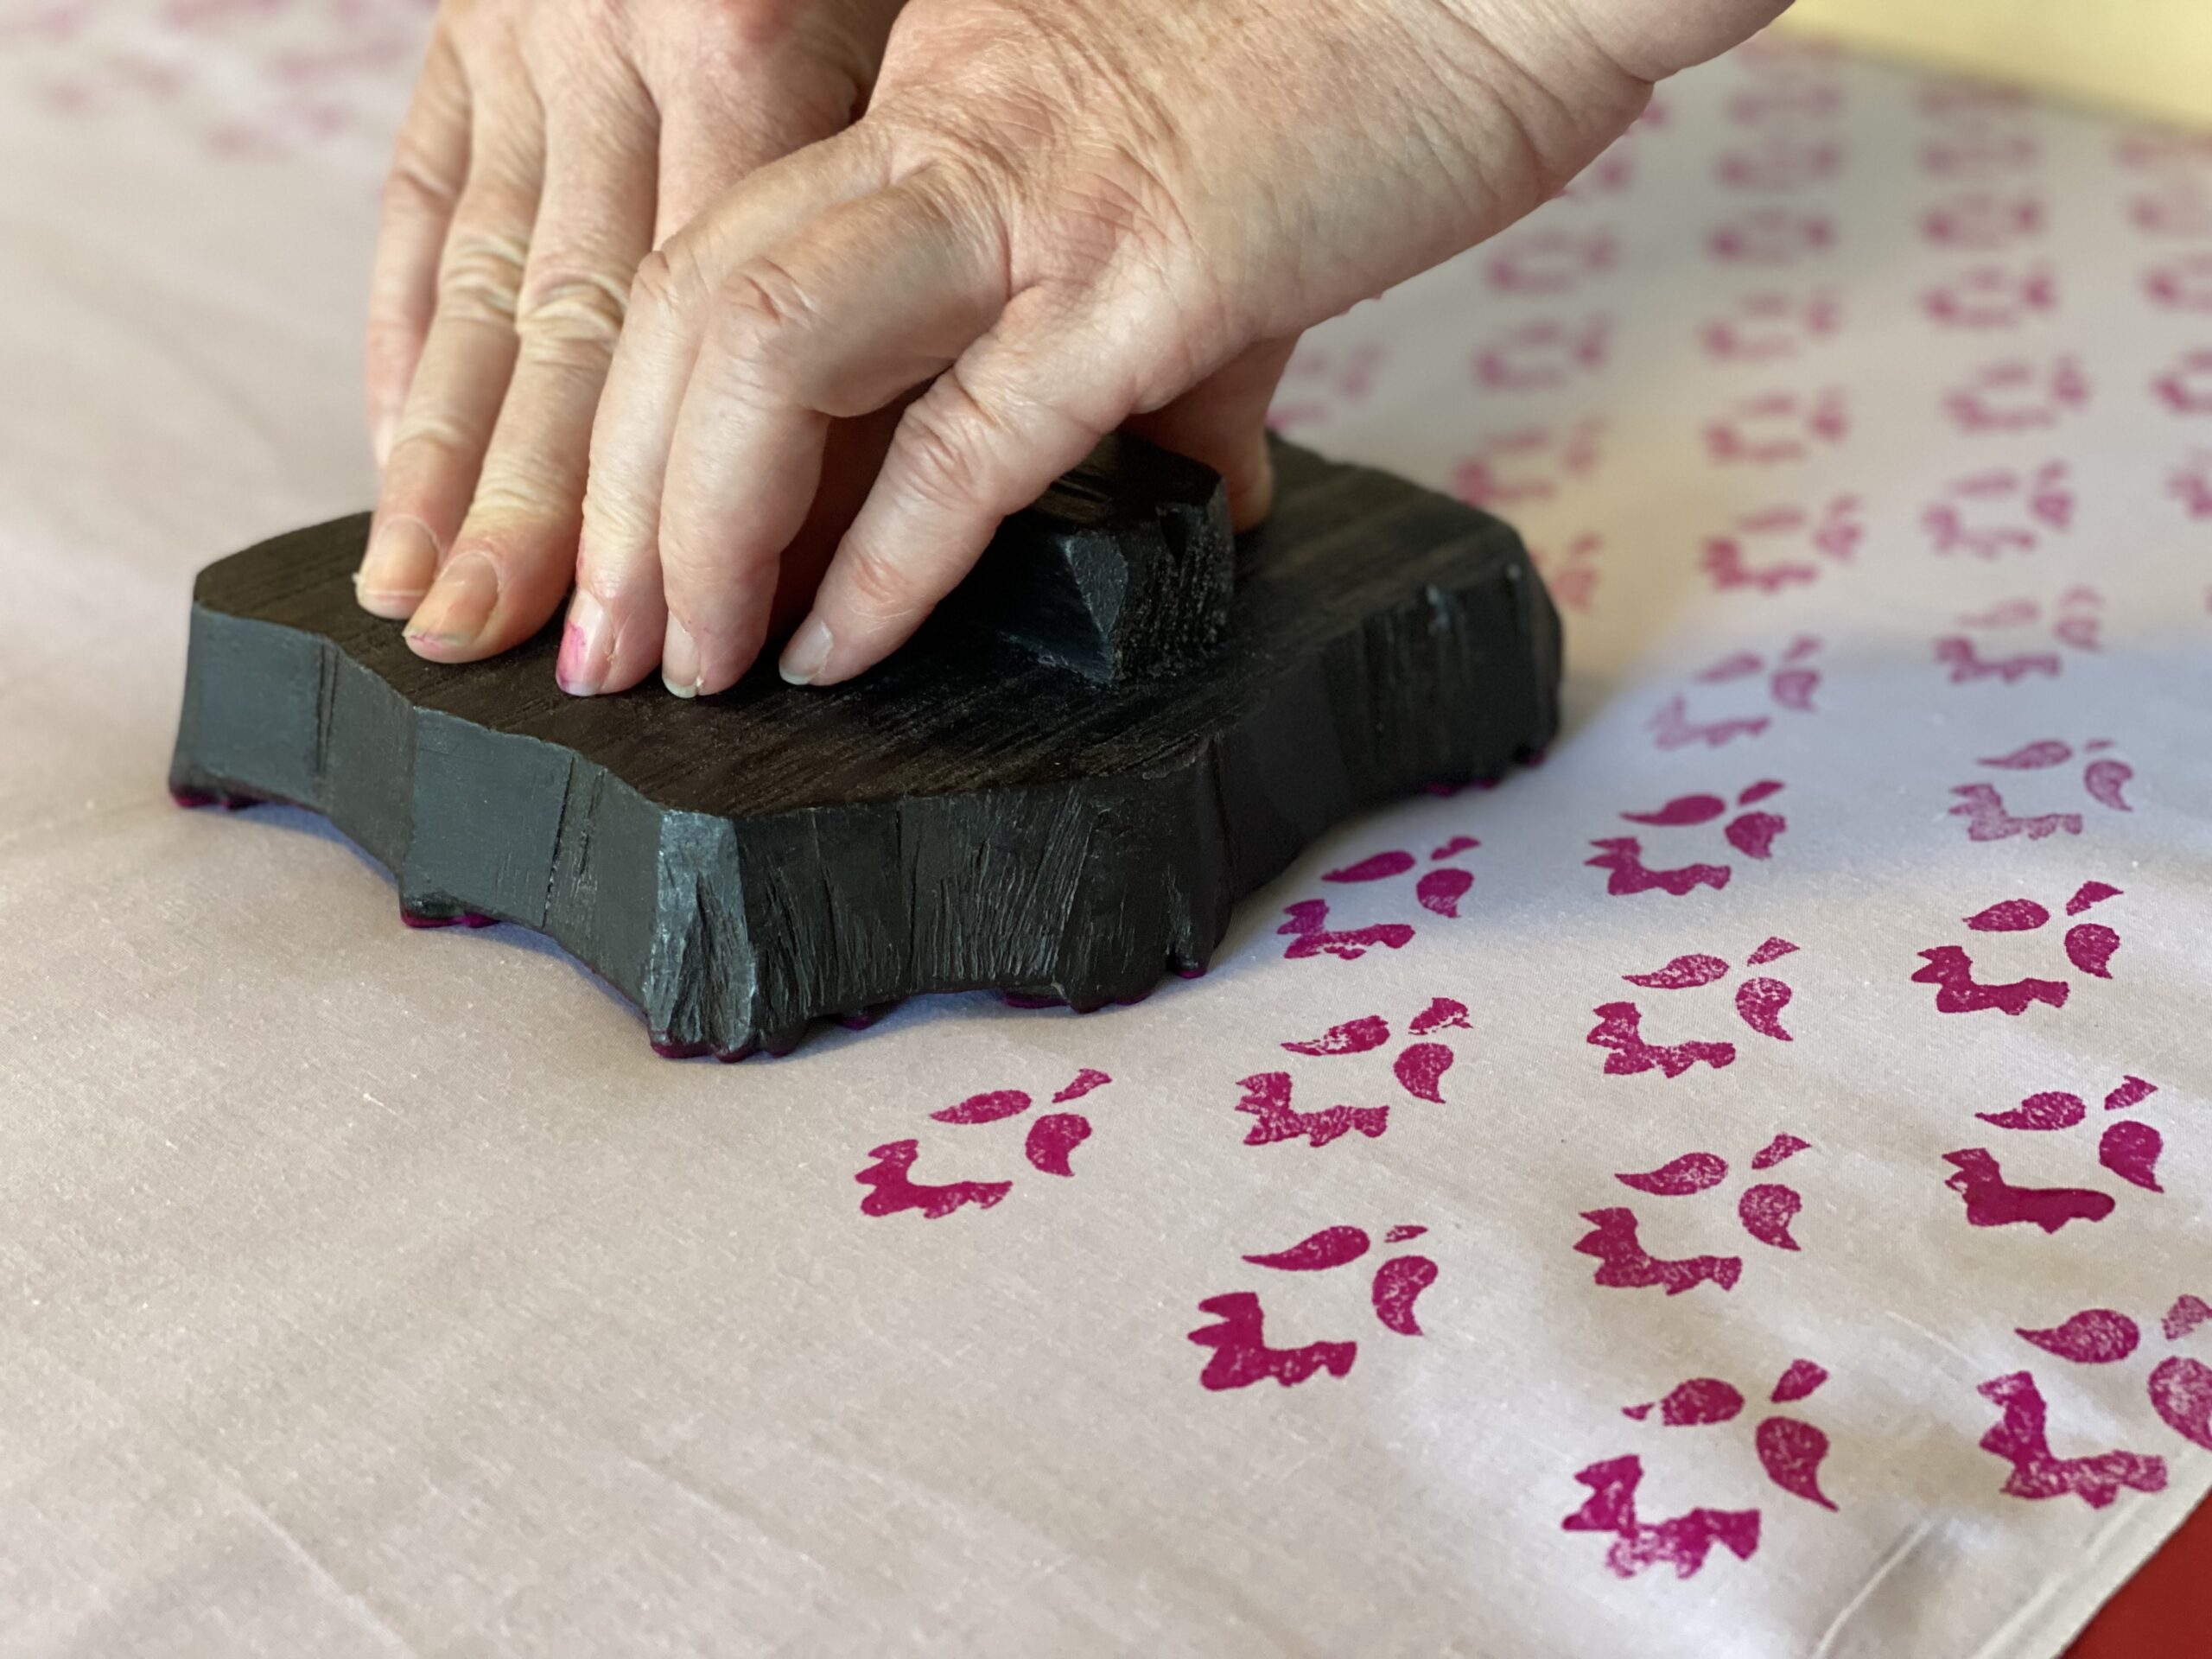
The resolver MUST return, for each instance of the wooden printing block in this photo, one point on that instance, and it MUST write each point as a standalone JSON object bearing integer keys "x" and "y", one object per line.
{"x": 1125, "y": 722}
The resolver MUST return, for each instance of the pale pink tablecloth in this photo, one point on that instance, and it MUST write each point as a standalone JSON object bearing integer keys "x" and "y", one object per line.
{"x": 1736, "y": 1189}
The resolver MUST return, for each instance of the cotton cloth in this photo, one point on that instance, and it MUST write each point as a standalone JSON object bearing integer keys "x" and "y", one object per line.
{"x": 1736, "y": 1188}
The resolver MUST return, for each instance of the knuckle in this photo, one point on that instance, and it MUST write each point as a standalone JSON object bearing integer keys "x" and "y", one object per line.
{"x": 877, "y": 587}
{"x": 568, "y": 312}
{"x": 480, "y": 277}
{"x": 414, "y": 189}
{"x": 763, "y": 320}
{"x": 946, "y": 445}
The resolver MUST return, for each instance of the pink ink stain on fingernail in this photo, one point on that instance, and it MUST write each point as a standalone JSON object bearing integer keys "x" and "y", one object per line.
{"x": 1624, "y": 1264}
{"x": 1767, "y": 1211}
{"x": 1352, "y": 1037}
{"x": 1398, "y": 1285}
{"x": 893, "y": 1189}
{"x": 1782, "y": 1147}
{"x": 1682, "y": 1543}
{"x": 2130, "y": 1149}
{"x": 985, "y": 1108}
{"x": 1241, "y": 1357}
{"x": 1693, "y": 1171}
{"x": 1052, "y": 1140}
{"x": 1992, "y": 1201}
{"x": 2095, "y": 1336}
{"x": 1802, "y": 1377}
{"x": 1682, "y": 973}
{"x": 2021, "y": 1438}
{"x": 1791, "y": 1452}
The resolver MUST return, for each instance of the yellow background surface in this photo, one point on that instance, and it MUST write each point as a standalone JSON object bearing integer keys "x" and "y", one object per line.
{"x": 2153, "y": 57}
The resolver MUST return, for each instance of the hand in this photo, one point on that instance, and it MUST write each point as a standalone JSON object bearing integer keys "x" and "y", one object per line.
{"x": 550, "y": 145}
{"x": 1061, "y": 216}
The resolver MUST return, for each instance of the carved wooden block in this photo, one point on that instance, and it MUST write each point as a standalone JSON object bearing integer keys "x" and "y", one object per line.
{"x": 1125, "y": 724}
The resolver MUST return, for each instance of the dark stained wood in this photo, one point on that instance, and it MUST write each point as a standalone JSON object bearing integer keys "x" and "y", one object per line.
{"x": 1059, "y": 797}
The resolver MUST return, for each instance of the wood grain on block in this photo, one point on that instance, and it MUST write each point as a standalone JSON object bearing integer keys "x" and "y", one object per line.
{"x": 1062, "y": 798}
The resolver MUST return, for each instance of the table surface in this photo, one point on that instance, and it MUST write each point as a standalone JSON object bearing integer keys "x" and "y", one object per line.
{"x": 1737, "y": 1188}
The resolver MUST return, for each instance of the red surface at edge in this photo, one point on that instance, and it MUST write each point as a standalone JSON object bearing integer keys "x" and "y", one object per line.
{"x": 2166, "y": 1608}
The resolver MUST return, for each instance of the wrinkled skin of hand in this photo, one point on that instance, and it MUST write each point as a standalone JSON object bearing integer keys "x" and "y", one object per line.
{"x": 549, "y": 146}
{"x": 1056, "y": 217}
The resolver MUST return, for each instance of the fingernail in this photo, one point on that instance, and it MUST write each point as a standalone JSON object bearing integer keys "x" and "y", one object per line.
{"x": 587, "y": 647}
{"x": 809, "y": 649}
{"x": 459, "y": 606}
{"x": 679, "y": 661}
{"x": 397, "y": 569}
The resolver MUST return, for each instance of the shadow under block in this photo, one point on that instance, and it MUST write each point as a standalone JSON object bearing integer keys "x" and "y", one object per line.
{"x": 1060, "y": 798}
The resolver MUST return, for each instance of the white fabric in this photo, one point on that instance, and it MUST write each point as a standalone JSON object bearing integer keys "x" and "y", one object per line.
{"x": 366, "y": 1291}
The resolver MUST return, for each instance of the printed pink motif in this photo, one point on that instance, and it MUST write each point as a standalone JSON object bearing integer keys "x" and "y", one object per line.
{"x": 1992, "y": 296}
{"x": 1983, "y": 222}
{"x": 1572, "y": 574}
{"x": 2190, "y": 483}
{"x": 1241, "y": 1354}
{"x": 1833, "y": 534}
{"x": 1790, "y": 1450}
{"x": 2089, "y": 947}
{"x": 1321, "y": 382}
{"x": 1780, "y": 164}
{"x": 2127, "y": 1147}
{"x": 2104, "y": 779}
{"x": 1752, "y": 833}
{"x": 2018, "y": 395}
{"x": 2178, "y": 207}
{"x": 1541, "y": 356}
{"x": 2005, "y": 510}
{"x": 1788, "y": 683}
{"x": 1772, "y": 237}
{"x": 1527, "y": 464}
{"x": 1980, "y": 151}
{"x": 1765, "y": 1210}
{"x": 2181, "y": 284}
{"x": 1773, "y": 327}
{"x": 1759, "y": 1002}
{"x": 2185, "y": 386}
{"x": 2076, "y": 624}
{"x": 1310, "y": 935}
{"x": 1418, "y": 1069}
{"x": 1543, "y": 260}
{"x": 2179, "y": 1390}
{"x": 1778, "y": 426}
{"x": 1048, "y": 1146}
